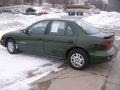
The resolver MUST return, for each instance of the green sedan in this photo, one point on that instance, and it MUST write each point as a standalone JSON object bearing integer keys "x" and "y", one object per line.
{"x": 76, "y": 41}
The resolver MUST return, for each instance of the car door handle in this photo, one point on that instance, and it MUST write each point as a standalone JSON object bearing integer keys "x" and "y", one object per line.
{"x": 70, "y": 41}
{"x": 40, "y": 39}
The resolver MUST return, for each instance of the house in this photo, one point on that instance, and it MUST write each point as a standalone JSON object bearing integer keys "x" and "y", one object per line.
{"x": 80, "y": 9}
{"x": 81, "y": 2}
{"x": 100, "y": 4}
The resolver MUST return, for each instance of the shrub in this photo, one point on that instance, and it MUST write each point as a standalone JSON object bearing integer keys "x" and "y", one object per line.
{"x": 30, "y": 10}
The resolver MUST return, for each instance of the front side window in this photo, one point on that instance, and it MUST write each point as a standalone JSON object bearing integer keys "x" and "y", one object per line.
{"x": 58, "y": 28}
{"x": 38, "y": 28}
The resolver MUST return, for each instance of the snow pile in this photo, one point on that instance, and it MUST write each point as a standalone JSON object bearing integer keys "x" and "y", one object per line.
{"x": 17, "y": 71}
{"x": 11, "y": 22}
{"x": 109, "y": 20}
{"x": 47, "y": 9}
{"x": 22, "y": 8}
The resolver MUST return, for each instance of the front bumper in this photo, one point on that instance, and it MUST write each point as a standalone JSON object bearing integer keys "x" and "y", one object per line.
{"x": 2, "y": 42}
{"x": 103, "y": 56}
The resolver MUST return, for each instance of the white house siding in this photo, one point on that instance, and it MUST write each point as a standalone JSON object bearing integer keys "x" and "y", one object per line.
{"x": 81, "y": 2}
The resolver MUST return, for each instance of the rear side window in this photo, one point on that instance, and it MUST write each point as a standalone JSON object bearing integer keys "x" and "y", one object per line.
{"x": 69, "y": 31}
{"x": 58, "y": 28}
{"x": 87, "y": 27}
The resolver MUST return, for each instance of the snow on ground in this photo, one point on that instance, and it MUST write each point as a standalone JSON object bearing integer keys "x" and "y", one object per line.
{"x": 117, "y": 37}
{"x": 14, "y": 69}
{"x": 43, "y": 7}
{"x": 109, "y": 20}
{"x": 47, "y": 9}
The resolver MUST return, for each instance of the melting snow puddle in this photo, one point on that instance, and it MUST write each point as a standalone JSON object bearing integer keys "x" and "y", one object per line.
{"x": 18, "y": 71}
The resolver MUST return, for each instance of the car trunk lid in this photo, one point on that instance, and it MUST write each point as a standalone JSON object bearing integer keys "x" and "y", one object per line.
{"x": 107, "y": 38}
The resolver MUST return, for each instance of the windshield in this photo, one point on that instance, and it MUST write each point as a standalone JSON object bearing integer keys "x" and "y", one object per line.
{"x": 88, "y": 28}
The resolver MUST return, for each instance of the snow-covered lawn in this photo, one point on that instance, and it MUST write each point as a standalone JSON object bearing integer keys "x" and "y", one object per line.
{"x": 17, "y": 71}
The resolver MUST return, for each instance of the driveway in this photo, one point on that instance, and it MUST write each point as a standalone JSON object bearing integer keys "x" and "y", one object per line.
{"x": 23, "y": 71}
{"x": 97, "y": 77}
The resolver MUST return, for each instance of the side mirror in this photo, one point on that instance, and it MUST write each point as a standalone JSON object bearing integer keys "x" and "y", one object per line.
{"x": 25, "y": 31}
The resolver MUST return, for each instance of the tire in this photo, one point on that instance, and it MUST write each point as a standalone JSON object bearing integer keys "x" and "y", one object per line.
{"x": 78, "y": 59}
{"x": 12, "y": 46}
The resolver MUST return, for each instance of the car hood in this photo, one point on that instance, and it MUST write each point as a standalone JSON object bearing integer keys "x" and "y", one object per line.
{"x": 14, "y": 32}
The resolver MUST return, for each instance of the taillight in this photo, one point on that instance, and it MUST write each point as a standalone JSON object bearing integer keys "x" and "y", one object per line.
{"x": 106, "y": 44}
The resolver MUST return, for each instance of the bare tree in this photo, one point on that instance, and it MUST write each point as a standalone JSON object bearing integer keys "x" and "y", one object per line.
{"x": 65, "y": 3}
{"x": 4, "y": 2}
{"x": 40, "y": 2}
{"x": 53, "y": 3}
{"x": 31, "y": 2}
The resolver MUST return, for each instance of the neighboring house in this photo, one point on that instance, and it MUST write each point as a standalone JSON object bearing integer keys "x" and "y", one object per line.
{"x": 81, "y": 2}
{"x": 101, "y": 4}
{"x": 79, "y": 9}
{"x": 114, "y": 5}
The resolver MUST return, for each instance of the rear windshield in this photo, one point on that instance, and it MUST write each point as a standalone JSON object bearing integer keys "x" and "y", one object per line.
{"x": 88, "y": 28}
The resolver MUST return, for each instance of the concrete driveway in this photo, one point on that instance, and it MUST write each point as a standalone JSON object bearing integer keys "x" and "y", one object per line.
{"x": 97, "y": 77}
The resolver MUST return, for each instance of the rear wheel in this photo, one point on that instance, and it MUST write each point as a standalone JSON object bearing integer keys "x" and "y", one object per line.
{"x": 78, "y": 59}
{"x": 12, "y": 47}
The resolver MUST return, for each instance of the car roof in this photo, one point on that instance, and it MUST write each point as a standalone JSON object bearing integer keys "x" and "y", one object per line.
{"x": 72, "y": 19}
{"x": 67, "y": 18}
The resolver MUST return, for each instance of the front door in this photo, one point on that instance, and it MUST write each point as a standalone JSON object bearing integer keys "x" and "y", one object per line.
{"x": 33, "y": 40}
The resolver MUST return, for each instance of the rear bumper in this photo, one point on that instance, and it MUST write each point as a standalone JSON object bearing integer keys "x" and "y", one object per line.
{"x": 103, "y": 56}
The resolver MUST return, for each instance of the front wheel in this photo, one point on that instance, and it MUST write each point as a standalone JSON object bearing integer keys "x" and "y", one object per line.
{"x": 12, "y": 46}
{"x": 78, "y": 59}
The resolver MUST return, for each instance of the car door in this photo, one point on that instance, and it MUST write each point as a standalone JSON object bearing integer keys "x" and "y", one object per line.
{"x": 33, "y": 40}
{"x": 59, "y": 39}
